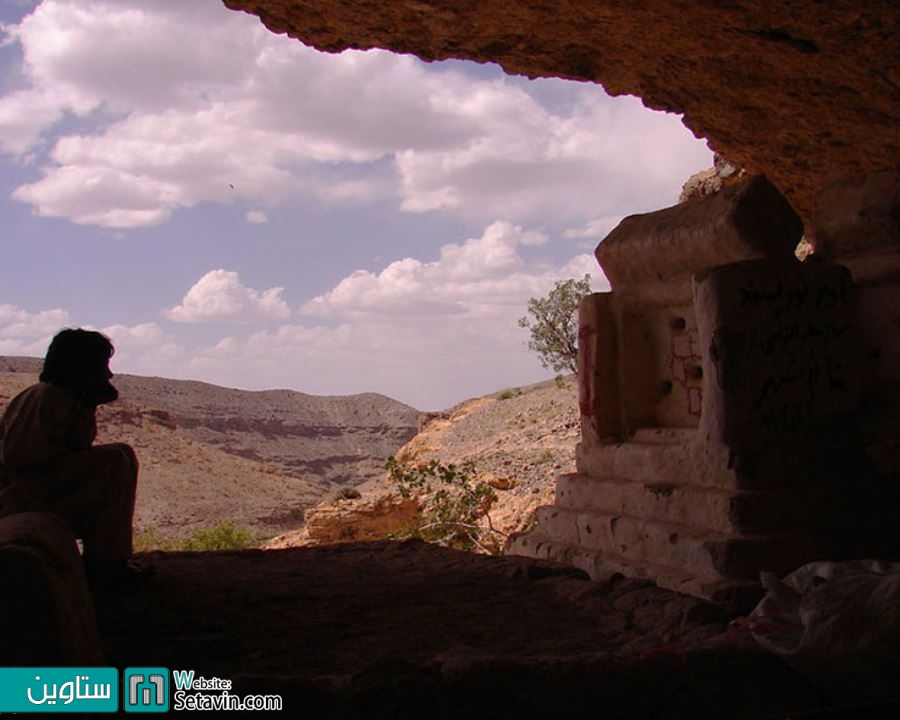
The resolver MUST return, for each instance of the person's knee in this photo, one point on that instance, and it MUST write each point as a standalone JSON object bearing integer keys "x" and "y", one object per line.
{"x": 123, "y": 457}
{"x": 121, "y": 463}
{"x": 130, "y": 456}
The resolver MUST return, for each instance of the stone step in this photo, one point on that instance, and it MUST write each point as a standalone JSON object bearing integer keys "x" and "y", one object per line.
{"x": 711, "y": 508}
{"x": 742, "y": 594}
{"x": 602, "y": 565}
{"x": 694, "y": 462}
{"x": 639, "y": 540}
{"x": 702, "y": 507}
{"x": 683, "y": 463}
{"x": 702, "y": 553}
{"x": 538, "y": 546}
{"x": 665, "y": 435}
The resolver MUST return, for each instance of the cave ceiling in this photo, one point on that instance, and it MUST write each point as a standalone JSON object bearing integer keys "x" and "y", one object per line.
{"x": 804, "y": 91}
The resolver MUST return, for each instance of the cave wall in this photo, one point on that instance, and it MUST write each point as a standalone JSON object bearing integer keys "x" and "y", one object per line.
{"x": 804, "y": 92}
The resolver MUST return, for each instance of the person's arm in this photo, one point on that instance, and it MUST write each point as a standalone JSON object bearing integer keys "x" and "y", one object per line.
{"x": 42, "y": 423}
{"x": 82, "y": 427}
{"x": 24, "y": 440}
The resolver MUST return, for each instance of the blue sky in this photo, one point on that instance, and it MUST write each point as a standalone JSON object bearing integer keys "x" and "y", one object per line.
{"x": 232, "y": 206}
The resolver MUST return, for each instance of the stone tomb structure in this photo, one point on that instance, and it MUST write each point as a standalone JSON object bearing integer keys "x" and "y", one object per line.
{"x": 720, "y": 389}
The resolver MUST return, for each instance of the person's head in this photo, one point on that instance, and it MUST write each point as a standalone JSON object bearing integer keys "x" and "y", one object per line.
{"x": 79, "y": 359}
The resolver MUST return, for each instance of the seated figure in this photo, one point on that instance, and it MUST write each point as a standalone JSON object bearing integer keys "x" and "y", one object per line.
{"x": 48, "y": 460}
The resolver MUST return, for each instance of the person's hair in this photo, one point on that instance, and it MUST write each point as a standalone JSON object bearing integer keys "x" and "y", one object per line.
{"x": 73, "y": 358}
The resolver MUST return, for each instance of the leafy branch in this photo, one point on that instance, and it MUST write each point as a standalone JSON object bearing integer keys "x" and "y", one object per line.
{"x": 456, "y": 502}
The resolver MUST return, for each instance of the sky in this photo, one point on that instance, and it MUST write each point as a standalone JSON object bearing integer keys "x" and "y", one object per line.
{"x": 229, "y": 205}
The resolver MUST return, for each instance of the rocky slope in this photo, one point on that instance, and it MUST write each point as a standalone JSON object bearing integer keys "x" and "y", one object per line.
{"x": 518, "y": 439}
{"x": 257, "y": 459}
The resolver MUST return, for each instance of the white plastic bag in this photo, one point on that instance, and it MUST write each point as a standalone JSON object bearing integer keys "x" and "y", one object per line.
{"x": 838, "y": 623}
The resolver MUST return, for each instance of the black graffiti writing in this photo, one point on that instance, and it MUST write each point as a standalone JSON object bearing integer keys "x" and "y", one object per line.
{"x": 751, "y": 296}
{"x": 788, "y": 417}
{"x": 772, "y": 386}
{"x": 821, "y": 375}
{"x": 812, "y": 336}
{"x": 785, "y": 299}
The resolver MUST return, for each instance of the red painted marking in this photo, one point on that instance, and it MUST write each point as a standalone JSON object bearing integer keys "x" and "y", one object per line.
{"x": 585, "y": 370}
{"x": 684, "y": 356}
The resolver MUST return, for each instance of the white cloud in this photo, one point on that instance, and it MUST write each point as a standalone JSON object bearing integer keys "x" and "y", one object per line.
{"x": 586, "y": 264}
{"x": 25, "y": 333}
{"x": 605, "y": 157}
{"x": 96, "y": 195}
{"x": 428, "y": 333}
{"x": 477, "y": 271}
{"x": 256, "y": 217}
{"x": 183, "y": 103}
{"x": 130, "y": 111}
{"x": 598, "y": 228}
{"x": 145, "y": 349}
{"x": 219, "y": 296}
{"x": 24, "y": 114}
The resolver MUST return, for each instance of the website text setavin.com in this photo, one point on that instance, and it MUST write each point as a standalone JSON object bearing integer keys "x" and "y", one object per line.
{"x": 98, "y": 690}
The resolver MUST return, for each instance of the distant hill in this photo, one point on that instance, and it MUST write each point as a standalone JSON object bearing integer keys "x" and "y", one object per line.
{"x": 257, "y": 458}
{"x": 330, "y": 440}
{"x": 13, "y": 364}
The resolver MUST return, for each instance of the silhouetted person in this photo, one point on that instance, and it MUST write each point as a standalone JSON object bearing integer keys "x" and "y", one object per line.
{"x": 48, "y": 460}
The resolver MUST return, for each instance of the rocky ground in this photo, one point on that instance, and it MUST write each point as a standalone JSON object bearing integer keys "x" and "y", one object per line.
{"x": 411, "y": 630}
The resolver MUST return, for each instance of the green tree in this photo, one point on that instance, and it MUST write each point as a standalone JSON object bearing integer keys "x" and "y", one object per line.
{"x": 553, "y": 323}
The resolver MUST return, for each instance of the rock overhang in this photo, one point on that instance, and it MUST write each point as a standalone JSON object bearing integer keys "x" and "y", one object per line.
{"x": 804, "y": 92}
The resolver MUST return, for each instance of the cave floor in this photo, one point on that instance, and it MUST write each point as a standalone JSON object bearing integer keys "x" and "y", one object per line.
{"x": 409, "y": 630}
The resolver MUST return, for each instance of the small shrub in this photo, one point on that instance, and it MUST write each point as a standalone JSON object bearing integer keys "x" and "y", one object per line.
{"x": 149, "y": 538}
{"x": 223, "y": 536}
{"x": 506, "y": 394}
{"x": 455, "y": 505}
